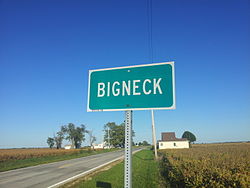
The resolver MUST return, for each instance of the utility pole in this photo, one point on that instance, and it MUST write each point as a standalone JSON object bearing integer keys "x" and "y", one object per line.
{"x": 150, "y": 42}
{"x": 108, "y": 138}
{"x": 153, "y": 133}
{"x": 90, "y": 138}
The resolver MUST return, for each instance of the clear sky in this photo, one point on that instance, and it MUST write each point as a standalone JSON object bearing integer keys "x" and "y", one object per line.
{"x": 47, "y": 48}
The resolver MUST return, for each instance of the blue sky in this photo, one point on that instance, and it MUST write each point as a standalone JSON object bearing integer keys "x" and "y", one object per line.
{"x": 47, "y": 48}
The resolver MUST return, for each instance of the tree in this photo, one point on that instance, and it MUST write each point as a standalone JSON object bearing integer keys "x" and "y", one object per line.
{"x": 92, "y": 138}
{"x": 190, "y": 136}
{"x": 145, "y": 143}
{"x": 76, "y": 135}
{"x": 50, "y": 142}
{"x": 115, "y": 134}
{"x": 58, "y": 139}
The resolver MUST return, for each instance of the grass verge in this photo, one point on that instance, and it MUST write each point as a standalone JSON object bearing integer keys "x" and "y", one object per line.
{"x": 21, "y": 163}
{"x": 145, "y": 174}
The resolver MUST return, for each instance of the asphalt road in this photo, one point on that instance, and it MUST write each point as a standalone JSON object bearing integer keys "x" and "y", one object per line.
{"x": 53, "y": 174}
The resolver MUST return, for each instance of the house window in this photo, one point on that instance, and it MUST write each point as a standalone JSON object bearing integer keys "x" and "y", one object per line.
{"x": 174, "y": 144}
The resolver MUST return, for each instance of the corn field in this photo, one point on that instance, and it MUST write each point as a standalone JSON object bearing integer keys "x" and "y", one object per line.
{"x": 207, "y": 165}
{"x": 17, "y": 154}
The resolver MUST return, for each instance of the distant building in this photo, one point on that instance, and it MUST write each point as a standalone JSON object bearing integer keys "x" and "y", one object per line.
{"x": 98, "y": 146}
{"x": 69, "y": 147}
{"x": 103, "y": 145}
{"x": 169, "y": 141}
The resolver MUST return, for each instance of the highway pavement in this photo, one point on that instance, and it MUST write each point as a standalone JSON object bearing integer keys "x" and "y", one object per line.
{"x": 57, "y": 173}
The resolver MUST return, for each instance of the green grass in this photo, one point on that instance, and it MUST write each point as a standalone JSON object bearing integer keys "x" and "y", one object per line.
{"x": 21, "y": 163}
{"x": 145, "y": 173}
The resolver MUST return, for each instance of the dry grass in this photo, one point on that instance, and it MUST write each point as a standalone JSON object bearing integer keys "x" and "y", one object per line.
{"x": 208, "y": 165}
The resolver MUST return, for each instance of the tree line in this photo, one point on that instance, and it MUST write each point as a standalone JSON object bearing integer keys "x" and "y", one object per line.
{"x": 74, "y": 134}
{"x": 114, "y": 136}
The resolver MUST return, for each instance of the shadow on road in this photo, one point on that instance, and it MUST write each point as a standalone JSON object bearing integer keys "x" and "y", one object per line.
{"x": 103, "y": 184}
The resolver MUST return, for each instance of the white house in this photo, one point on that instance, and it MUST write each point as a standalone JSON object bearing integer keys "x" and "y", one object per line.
{"x": 169, "y": 141}
{"x": 98, "y": 146}
{"x": 102, "y": 145}
{"x": 69, "y": 147}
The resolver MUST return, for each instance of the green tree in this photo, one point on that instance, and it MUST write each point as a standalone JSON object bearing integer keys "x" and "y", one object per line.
{"x": 92, "y": 138}
{"x": 76, "y": 135}
{"x": 115, "y": 134}
{"x": 58, "y": 139}
{"x": 50, "y": 142}
{"x": 190, "y": 136}
{"x": 145, "y": 143}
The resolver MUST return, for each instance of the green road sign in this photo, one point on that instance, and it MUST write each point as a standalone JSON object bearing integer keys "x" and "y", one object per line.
{"x": 141, "y": 87}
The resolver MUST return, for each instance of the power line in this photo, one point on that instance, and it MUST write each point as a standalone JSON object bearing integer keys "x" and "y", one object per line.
{"x": 150, "y": 46}
{"x": 150, "y": 29}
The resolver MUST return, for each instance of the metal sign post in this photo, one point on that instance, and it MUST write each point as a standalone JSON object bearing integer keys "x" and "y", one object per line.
{"x": 128, "y": 150}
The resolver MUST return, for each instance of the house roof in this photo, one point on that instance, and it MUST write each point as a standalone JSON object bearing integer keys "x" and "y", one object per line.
{"x": 170, "y": 136}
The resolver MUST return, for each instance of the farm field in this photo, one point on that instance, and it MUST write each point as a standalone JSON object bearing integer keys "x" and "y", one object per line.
{"x": 19, "y": 158}
{"x": 207, "y": 165}
{"x": 10, "y": 154}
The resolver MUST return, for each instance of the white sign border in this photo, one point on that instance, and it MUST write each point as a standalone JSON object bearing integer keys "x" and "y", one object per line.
{"x": 143, "y": 65}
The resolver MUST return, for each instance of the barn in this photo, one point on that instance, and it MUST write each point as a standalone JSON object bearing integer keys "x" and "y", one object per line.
{"x": 169, "y": 141}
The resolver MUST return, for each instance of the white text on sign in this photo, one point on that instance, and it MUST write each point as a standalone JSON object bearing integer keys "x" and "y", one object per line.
{"x": 130, "y": 87}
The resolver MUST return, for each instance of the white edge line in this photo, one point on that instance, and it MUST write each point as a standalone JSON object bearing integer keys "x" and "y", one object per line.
{"x": 87, "y": 172}
{"x": 82, "y": 174}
